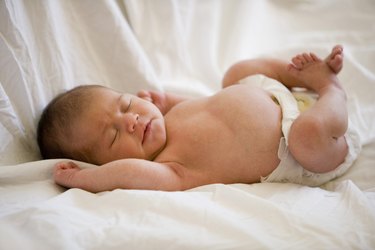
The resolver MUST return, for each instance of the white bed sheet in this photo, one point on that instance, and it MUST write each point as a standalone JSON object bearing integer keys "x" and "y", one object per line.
{"x": 185, "y": 47}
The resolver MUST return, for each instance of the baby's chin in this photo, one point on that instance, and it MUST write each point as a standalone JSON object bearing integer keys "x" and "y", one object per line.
{"x": 157, "y": 139}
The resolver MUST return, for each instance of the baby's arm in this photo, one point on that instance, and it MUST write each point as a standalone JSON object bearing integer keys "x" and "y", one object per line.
{"x": 164, "y": 101}
{"x": 272, "y": 68}
{"x": 125, "y": 174}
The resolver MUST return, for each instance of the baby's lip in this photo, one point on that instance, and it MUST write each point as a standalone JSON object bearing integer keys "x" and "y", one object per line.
{"x": 146, "y": 131}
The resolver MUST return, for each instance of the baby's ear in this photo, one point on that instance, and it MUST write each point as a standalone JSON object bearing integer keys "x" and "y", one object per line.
{"x": 145, "y": 95}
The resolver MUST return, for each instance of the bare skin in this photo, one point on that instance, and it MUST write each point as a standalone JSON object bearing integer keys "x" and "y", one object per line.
{"x": 220, "y": 139}
{"x": 322, "y": 127}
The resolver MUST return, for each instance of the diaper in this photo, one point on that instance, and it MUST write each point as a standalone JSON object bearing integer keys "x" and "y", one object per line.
{"x": 289, "y": 170}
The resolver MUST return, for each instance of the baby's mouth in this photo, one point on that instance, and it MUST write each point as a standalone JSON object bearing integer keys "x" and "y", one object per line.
{"x": 146, "y": 131}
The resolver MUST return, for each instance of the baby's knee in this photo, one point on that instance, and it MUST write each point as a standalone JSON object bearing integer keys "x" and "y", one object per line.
{"x": 310, "y": 144}
{"x": 307, "y": 133}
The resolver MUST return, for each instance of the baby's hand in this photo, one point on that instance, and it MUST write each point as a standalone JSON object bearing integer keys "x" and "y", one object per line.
{"x": 64, "y": 173}
{"x": 145, "y": 94}
{"x": 157, "y": 98}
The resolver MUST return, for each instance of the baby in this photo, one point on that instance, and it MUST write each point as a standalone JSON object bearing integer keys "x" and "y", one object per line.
{"x": 250, "y": 131}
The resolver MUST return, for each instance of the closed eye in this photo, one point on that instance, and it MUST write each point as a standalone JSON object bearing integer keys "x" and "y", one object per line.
{"x": 117, "y": 131}
{"x": 114, "y": 138}
{"x": 122, "y": 102}
{"x": 130, "y": 103}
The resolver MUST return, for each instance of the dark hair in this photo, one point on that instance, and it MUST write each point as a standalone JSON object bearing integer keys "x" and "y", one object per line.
{"x": 55, "y": 125}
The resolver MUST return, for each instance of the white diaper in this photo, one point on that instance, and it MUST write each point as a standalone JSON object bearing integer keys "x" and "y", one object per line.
{"x": 289, "y": 170}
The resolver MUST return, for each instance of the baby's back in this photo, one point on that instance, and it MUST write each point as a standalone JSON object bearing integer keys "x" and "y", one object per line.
{"x": 230, "y": 137}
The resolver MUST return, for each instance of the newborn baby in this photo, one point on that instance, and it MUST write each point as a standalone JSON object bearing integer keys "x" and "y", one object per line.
{"x": 250, "y": 131}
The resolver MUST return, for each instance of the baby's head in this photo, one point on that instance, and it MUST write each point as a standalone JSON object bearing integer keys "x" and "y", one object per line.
{"x": 96, "y": 124}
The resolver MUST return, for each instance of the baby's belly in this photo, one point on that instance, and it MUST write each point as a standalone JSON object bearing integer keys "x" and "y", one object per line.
{"x": 232, "y": 137}
{"x": 255, "y": 121}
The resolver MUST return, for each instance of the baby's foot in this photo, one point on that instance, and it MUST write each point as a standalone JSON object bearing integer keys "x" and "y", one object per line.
{"x": 314, "y": 73}
{"x": 335, "y": 59}
{"x": 64, "y": 173}
{"x": 303, "y": 60}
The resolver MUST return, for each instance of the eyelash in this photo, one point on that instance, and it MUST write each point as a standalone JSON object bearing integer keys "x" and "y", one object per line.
{"x": 114, "y": 138}
{"x": 130, "y": 103}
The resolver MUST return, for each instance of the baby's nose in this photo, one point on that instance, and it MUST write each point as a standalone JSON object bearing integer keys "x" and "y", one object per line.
{"x": 131, "y": 121}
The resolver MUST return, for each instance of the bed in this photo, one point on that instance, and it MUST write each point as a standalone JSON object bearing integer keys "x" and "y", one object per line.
{"x": 184, "y": 47}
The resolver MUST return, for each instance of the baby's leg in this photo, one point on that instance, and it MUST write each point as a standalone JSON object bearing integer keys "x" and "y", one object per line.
{"x": 316, "y": 137}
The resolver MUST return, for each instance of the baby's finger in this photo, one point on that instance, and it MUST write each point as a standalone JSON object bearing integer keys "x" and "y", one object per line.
{"x": 65, "y": 165}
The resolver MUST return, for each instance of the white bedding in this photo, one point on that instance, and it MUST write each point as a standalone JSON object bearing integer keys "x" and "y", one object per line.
{"x": 183, "y": 47}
